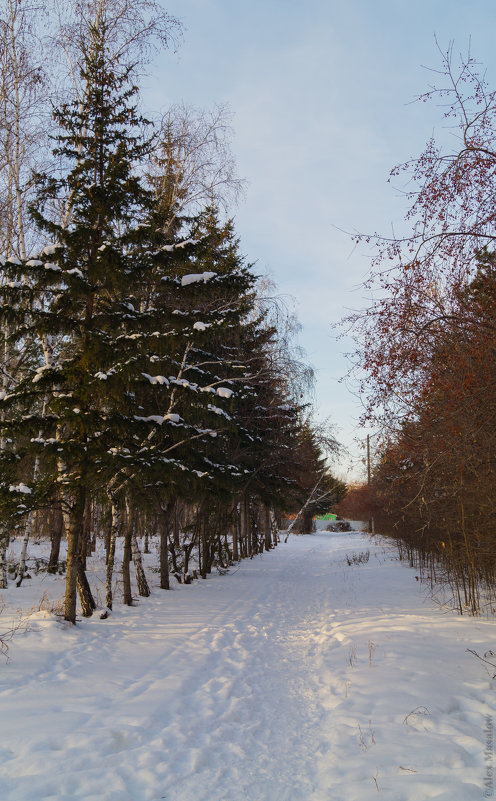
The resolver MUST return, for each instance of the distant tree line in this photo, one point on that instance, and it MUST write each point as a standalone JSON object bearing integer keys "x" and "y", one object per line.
{"x": 148, "y": 385}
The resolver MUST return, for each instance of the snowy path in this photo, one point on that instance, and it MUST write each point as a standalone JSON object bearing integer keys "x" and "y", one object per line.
{"x": 294, "y": 678}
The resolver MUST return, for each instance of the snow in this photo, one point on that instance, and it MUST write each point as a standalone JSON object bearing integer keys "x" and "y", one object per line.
{"x": 179, "y": 245}
{"x": 199, "y": 326}
{"x": 50, "y": 250}
{"x": 184, "y": 383}
{"x": 296, "y": 677}
{"x": 174, "y": 418}
{"x": 152, "y": 418}
{"x": 39, "y": 372}
{"x": 159, "y": 419}
{"x": 193, "y": 278}
{"x": 224, "y": 392}
{"x": 20, "y": 488}
{"x": 216, "y": 410}
{"x": 156, "y": 379}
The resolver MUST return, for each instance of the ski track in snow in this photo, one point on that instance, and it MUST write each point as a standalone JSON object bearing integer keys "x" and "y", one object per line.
{"x": 294, "y": 678}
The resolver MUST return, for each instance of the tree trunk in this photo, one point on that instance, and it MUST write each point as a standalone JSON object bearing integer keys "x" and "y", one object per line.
{"x": 267, "y": 531}
{"x": 274, "y": 528}
{"x": 248, "y": 527}
{"x": 21, "y": 568}
{"x": 107, "y": 534}
{"x": 203, "y": 546}
{"x": 87, "y": 526}
{"x": 73, "y": 521}
{"x": 234, "y": 536}
{"x": 143, "y": 588}
{"x": 85, "y": 535}
{"x": 187, "y": 554}
{"x": 164, "y": 552}
{"x": 242, "y": 528}
{"x": 86, "y": 599}
{"x": 173, "y": 555}
{"x": 126, "y": 558}
{"x": 114, "y": 527}
{"x": 4, "y": 544}
{"x": 177, "y": 543}
{"x": 56, "y": 538}
{"x": 306, "y": 522}
{"x": 27, "y": 531}
{"x": 166, "y": 514}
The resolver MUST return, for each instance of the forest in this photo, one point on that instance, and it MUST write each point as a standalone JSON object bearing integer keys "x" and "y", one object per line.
{"x": 150, "y": 382}
{"x": 426, "y": 349}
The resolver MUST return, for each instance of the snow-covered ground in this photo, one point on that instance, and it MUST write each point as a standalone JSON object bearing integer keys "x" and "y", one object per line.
{"x": 296, "y": 677}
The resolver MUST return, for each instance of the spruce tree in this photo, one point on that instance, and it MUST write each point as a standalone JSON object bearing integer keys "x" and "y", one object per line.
{"x": 70, "y": 301}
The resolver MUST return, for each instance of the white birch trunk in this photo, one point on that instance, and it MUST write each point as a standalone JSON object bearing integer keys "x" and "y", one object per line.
{"x": 17, "y": 135}
{"x": 273, "y": 527}
{"x": 314, "y": 496}
{"x": 4, "y": 544}
{"x": 111, "y": 553}
{"x": 21, "y": 569}
{"x": 143, "y": 587}
{"x": 310, "y": 498}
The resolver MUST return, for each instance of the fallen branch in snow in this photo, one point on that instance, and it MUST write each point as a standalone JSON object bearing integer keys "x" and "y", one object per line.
{"x": 419, "y": 710}
{"x": 484, "y": 658}
{"x": 6, "y": 636}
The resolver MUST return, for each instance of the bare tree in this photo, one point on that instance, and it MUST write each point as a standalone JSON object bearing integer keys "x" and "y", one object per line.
{"x": 135, "y": 29}
{"x": 191, "y": 164}
{"x": 23, "y": 93}
{"x": 285, "y": 357}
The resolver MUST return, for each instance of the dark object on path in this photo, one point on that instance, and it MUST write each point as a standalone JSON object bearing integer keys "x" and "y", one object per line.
{"x": 339, "y": 525}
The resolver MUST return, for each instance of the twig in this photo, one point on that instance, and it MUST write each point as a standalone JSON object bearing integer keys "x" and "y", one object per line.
{"x": 483, "y": 659}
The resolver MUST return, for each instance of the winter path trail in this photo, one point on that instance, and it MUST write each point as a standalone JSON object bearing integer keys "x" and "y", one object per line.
{"x": 296, "y": 677}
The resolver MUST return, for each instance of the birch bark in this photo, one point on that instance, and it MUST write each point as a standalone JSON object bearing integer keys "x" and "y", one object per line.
{"x": 143, "y": 588}
{"x": 4, "y": 543}
{"x": 164, "y": 554}
{"x": 111, "y": 551}
{"x": 126, "y": 558}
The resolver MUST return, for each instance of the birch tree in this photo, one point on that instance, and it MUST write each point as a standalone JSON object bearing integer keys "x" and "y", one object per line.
{"x": 191, "y": 165}
{"x": 24, "y": 90}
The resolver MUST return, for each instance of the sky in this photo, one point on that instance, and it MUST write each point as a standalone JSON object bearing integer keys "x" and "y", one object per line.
{"x": 321, "y": 94}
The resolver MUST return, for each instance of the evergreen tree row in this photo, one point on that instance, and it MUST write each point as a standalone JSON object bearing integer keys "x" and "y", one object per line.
{"x": 139, "y": 393}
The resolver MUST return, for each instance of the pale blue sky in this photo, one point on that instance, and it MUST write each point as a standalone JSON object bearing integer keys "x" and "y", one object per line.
{"x": 320, "y": 92}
